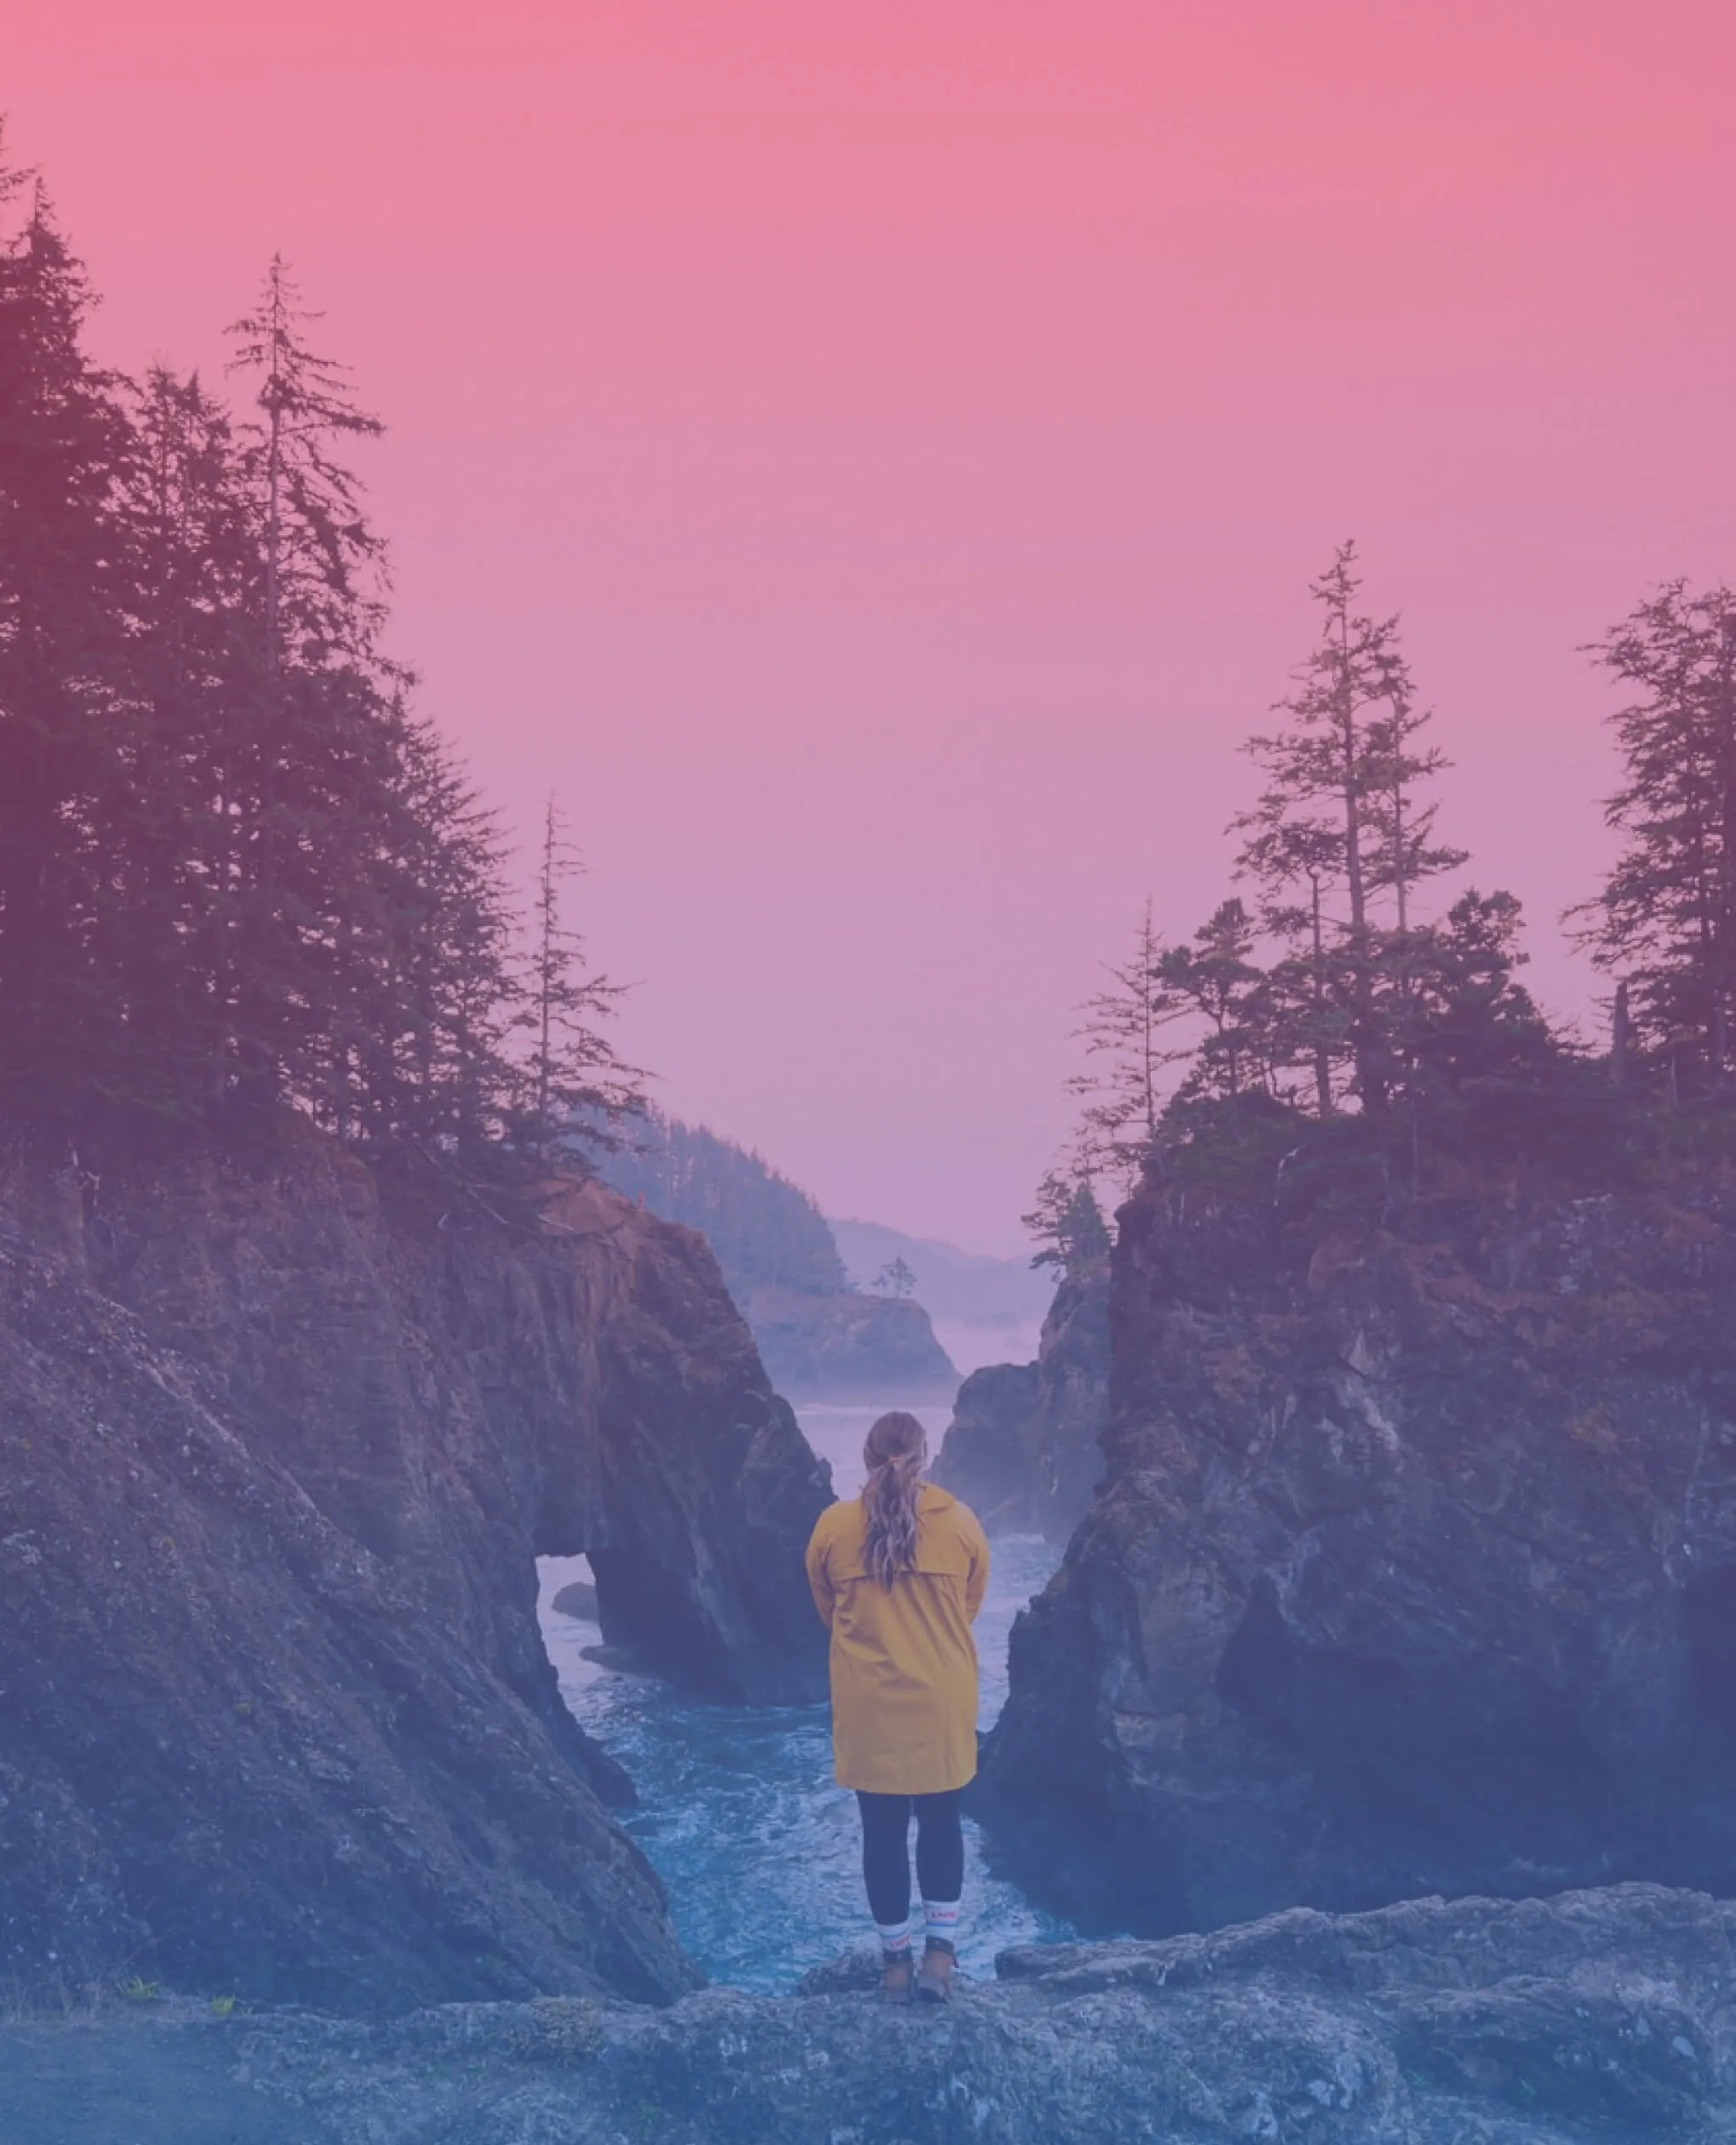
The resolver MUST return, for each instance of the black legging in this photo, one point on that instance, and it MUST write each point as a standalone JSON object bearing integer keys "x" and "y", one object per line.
{"x": 886, "y": 1853}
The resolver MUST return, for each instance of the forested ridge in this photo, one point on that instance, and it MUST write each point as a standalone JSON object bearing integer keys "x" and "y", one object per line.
{"x": 1337, "y": 1029}
{"x": 239, "y": 872}
{"x": 765, "y": 1230}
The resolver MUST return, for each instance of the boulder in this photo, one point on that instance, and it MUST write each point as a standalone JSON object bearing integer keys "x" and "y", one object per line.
{"x": 1601, "y": 2015}
{"x": 276, "y": 1457}
{"x": 1023, "y": 1448}
{"x": 1415, "y": 1570}
{"x": 579, "y": 1599}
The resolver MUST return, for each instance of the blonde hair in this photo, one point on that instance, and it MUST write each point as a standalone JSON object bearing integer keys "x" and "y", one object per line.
{"x": 897, "y": 1447}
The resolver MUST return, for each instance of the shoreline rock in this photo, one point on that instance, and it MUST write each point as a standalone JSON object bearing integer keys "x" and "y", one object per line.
{"x": 1415, "y": 1571}
{"x": 277, "y": 1458}
{"x": 578, "y": 1599}
{"x": 849, "y": 1347}
{"x": 1597, "y": 2015}
{"x": 1024, "y": 1447}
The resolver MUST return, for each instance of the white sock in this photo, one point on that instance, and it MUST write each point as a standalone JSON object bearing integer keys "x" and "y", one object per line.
{"x": 940, "y": 1918}
{"x": 894, "y": 1937}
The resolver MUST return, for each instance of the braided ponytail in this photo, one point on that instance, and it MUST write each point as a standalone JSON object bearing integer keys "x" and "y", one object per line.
{"x": 896, "y": 1450}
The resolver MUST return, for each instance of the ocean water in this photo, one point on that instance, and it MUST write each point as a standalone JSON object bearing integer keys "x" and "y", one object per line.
{"x": 737, "y": 1810}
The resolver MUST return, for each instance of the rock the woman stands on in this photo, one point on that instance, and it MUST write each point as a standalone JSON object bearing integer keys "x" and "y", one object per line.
{"x": 899, "y": 1575}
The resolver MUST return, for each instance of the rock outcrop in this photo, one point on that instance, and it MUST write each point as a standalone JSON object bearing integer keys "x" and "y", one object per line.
{"x": 988, "y": 1456}
{"x": 276, "y": 1461}
{"x": 849, "y": 1347}
{"x": 1597, "y": 2016}
{"x": 1022, "y": 1449}
{"x": 1415, "y": 1571}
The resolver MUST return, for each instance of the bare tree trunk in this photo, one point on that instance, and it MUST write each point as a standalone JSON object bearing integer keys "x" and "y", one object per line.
{"x": 274, "y": 474}
{"x": 1361, "y": 987}
{"x": 1322, "y": 1057}
{"x": 1724, "y": 930}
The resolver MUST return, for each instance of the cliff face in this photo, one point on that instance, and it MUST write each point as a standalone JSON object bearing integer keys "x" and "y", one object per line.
{"x": 275, "y": 1715}
{"x": 849, "y": 1347}
{"x": 1415, "y": 1570}
{"x": 1023, "y": 1448}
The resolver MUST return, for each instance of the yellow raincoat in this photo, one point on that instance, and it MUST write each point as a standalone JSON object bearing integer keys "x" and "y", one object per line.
{"x": 904, "y": 1664}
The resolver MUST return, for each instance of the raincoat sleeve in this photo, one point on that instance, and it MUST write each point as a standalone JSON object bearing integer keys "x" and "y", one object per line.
{"x": 818, "y": 1577}
{"x": 977, "y": 1584}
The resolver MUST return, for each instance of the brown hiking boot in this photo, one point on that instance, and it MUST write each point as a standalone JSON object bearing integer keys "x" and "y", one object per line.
{"x": 896, "y": 1975}
{"x": 934, "y": 1982}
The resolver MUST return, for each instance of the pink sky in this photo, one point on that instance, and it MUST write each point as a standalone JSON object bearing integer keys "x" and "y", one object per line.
{"x": 869, "y": 459}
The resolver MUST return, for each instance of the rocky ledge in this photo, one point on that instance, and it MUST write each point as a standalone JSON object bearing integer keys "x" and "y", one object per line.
{"x": 1602, "y": 2015}
{"x": 1415, "y": 1571}
{"x": 277, "y": 1456}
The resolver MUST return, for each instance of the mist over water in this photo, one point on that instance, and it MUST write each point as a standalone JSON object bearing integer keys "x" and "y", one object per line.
{"x": 739, "y": 1812}
{"x": 972, "y": 1346}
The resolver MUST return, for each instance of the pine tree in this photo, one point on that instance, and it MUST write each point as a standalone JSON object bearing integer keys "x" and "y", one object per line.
{"x": 321, "y": 737}
{"x": 1068, "y": 1223}
{"x": 438, "y": 1068}
{"x": 191, "y": 672}
{"x": 575, "y": 1086}
{"x": 1467, "y": 1018}
{"x": 324, "y": 568}
{"x": 1339, "y": 840}
{"x": 235, "y": 869}
{"x": 1665, "y": 920}
{"x": 1123, "y": 1084}
{"x": 63, "y": 443}
{"x": 1218, "y": 980}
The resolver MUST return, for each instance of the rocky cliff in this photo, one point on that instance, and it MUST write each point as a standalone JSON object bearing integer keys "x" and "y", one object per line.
{"x": 1598, "y": 2016}
{"x": 1415, "y": 1570}
{"x": 275, "y": 1460}
{"x": 849, "y": 1347}
{"x": 1023, "y": 1448}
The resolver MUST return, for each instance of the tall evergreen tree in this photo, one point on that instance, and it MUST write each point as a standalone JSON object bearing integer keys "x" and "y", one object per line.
{"x": 1336, "y": 991}
{"x": 1341, "y": 837}
{"x": 323, "y": 567}
{"x": 439, "y": 1068}
{"x": 322, "y": 735}
{"x": 235, "y": 867}
{"x": 1124, "y": 1080}
{"x": 576, "y": 1085}
{"x": 1665, "y": 920}
{"x": 191, "y": 672}
{"x": 64, "y": 444}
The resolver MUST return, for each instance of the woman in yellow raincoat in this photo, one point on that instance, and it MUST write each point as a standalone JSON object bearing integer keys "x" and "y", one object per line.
{"x": 899, "y": 1575}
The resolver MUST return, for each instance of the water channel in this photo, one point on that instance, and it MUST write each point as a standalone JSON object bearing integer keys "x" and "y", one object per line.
{"x": 738, "y": 1808}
